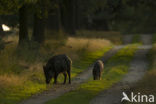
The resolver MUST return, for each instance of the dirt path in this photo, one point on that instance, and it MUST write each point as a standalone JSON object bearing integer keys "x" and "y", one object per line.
{"x": 60, "y": 89}
{"x": 137, "y": 70}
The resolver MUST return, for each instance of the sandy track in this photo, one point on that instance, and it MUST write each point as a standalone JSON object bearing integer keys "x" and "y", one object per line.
{"x": 60, "y": 89}
{"x": 137, "y": 70}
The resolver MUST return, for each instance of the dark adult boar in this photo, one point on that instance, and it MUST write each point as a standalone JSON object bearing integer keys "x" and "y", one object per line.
{"x": 56, "y": 65}
{"x": 97, "y": 70}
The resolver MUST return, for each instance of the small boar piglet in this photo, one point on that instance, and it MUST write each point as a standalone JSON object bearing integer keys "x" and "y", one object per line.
{"x": 97, "y": 70}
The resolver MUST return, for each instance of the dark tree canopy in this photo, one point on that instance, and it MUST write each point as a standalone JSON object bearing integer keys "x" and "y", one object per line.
{"x": 70, "y": 15}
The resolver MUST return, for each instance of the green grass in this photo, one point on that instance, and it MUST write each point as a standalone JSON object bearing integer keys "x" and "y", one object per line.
{"x": 113, "y": 36}
{"x": 114, "y": 70}
{"x": 14, "y": 94}
{"x": 86, "y": 59}
{"x": 24, "y": 83}
{"x": 21, "y": 73}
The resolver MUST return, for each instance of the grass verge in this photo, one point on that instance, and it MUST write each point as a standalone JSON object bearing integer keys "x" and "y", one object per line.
{"x": 114, "y": 70}
{"x": 114, "y": 37}
{"x": 22, "y": 77}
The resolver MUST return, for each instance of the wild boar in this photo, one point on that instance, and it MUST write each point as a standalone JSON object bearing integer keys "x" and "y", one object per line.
{"x": 56, "y": 65}
{"x": 97, "y": 70}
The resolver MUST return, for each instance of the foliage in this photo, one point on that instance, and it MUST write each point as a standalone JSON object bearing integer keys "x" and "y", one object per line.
{"x": 11, "y": 7}
{"x": 137, "y": 17}
{"x": 7, "y": 6}
{"x": 119, "y": 15}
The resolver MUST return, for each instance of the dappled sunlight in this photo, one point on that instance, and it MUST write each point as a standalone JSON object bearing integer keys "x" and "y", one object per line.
{"x": 114, "y": 37}
{"x": 75, "y": 46}
{"x": 5, "y": 27}
{"x": 10, "y": 80}
{"x": 86, "y": 43}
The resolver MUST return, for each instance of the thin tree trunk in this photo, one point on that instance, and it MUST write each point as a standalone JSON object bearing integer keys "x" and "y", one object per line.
{"x": 105, "y": 25}
{"x": 68, "y": 16}
{"x": 39, "y": 29}
{"x": 64, "y": 15}
{"x": 23, "y": 25}
{"x": 39, "y": 22}
{"x": 77, "y": 15}
{"x": 1, "y": 31}
{"x": 59, "y": 15}
{"x": 71, "y": 17}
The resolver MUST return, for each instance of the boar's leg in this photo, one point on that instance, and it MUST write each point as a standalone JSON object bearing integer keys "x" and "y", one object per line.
{"x": 55, "y": 78}
{"x": 65, "y": 77}
{"x": 69, "y": 76}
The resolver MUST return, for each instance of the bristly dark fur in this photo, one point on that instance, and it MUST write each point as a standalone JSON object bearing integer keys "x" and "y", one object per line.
{"x": 56, "y": 65}
{"x": 97, "y": 70}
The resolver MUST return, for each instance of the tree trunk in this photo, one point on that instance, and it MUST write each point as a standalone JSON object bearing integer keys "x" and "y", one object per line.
{"x": 105, "y": 25}
{"x": 59, "y": 16}
{"x": 64, "y": 15}
{"x": 68, "y": 16}
{"x": 39, "y": 29}
{"x": 100, "y": 24}
{"x": 23, "y": 27}
{"x": 72, "y": 17}
{"x": 39, "y": 22}
{"x": 1, "y": 31}
{"x": 77, "y": 15}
